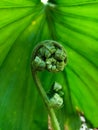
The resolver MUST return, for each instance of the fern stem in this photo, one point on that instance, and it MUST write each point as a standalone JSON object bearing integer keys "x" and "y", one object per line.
{"x": 55, "y": 123}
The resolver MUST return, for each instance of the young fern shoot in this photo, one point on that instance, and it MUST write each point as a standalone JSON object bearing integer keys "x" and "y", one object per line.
{"x": 49, "y": 55}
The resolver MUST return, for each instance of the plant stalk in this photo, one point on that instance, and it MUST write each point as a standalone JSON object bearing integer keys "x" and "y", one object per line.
{"x": 55, "y": 123}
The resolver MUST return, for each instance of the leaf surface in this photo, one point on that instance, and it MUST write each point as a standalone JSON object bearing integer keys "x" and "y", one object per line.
{"x": 25, "y": 23}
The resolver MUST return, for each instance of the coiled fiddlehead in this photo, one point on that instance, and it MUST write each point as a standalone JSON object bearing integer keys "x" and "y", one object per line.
{"x": 49, "y": 55}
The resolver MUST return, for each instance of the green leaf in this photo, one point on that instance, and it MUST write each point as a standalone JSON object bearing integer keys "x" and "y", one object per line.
{"x": 25, "y": 23}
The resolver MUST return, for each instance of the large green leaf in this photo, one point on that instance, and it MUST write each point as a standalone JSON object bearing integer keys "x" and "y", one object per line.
{"x": 23, "y": 24}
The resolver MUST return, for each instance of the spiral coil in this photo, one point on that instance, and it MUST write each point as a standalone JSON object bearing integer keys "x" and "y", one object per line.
{"x": 49, "y": 55}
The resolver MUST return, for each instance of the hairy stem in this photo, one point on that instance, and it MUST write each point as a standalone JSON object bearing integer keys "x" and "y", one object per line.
{"x": 55, "y": 123}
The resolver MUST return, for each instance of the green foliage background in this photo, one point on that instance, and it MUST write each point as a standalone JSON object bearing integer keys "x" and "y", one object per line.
{"x": 24, "y": 23}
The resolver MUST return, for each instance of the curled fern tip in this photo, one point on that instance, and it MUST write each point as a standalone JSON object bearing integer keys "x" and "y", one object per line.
{"x": 49, "y": 55}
